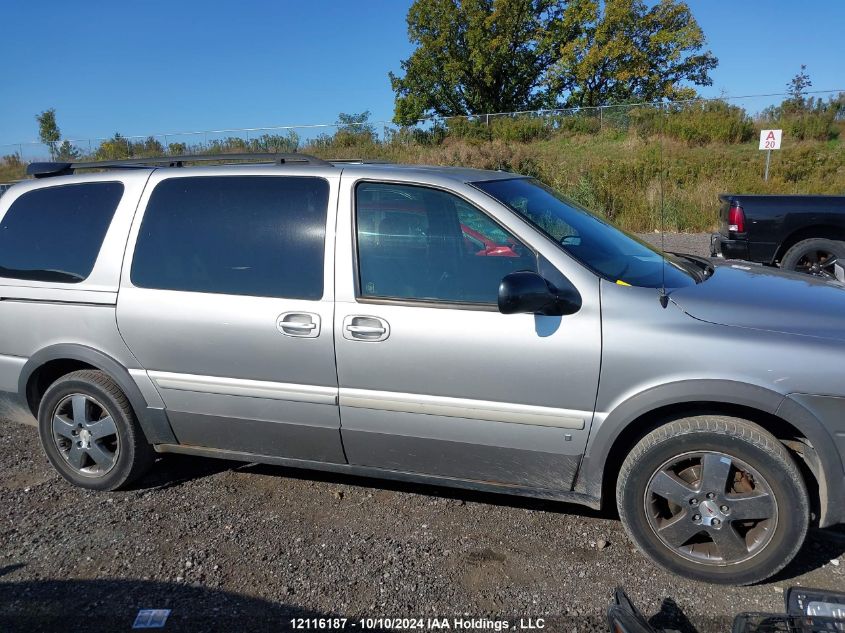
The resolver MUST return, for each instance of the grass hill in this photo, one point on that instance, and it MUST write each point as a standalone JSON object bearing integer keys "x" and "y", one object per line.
{"x": 612, "y": 166}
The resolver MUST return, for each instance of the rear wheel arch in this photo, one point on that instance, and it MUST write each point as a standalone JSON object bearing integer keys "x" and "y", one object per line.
{"x": 51, "y": 363}
{"x": 794, "y": 426}
{"x": 41, "y": 377}
{"x": 821, "y": 231}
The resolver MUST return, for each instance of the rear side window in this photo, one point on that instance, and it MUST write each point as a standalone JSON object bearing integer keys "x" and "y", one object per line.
{"x": 55, "y": 233}
{"x": 241, "y": 235}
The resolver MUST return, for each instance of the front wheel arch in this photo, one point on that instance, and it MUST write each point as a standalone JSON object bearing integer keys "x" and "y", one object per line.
{"x": 612, "y": 439}
{"x": 791, "y": 437}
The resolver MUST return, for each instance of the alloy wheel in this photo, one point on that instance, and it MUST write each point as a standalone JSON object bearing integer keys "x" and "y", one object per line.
{"x": 86, "y": 435}
{"x": 711, "y": 508}
{"x": 817, "y": 262}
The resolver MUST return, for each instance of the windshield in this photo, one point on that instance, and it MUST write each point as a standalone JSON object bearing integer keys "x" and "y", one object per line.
{"x": 607, "y": 250}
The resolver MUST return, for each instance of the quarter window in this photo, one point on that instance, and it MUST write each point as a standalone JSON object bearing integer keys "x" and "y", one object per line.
{"x": 240, "y": 235}
{"x": 423, "y": 244}
{"x": 55, "y": 233}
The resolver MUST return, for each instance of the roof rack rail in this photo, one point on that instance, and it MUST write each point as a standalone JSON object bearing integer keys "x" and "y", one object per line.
{"x": 44, "y": 170}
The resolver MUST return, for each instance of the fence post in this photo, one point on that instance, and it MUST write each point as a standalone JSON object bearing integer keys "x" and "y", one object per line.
{"x": 601, "y": 111}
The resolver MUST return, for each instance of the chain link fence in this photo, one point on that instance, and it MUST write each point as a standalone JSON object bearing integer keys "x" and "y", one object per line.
{"x": 698, "y": 121}
{"x": 642, "y": 165}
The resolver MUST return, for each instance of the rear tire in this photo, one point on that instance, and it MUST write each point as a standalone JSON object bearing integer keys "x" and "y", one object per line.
{"x": 815, "y": 256}
{"x": 90, "y": 433}
{"x": 714, "y": 498}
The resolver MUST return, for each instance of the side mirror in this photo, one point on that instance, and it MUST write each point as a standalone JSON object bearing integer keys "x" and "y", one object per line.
{"x": 527, "y": 292}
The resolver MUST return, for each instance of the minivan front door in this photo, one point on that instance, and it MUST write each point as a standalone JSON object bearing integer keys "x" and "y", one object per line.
{"x": 227, "y": 302}
{"x": 433, "y": 379}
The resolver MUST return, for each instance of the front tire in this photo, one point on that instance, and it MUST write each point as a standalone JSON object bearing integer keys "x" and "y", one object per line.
{"x": 714, "y": 498}
{"x": 90, "y": 433}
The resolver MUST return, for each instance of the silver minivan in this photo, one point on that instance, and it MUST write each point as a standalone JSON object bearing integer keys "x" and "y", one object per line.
{"x": 452, "y": 326}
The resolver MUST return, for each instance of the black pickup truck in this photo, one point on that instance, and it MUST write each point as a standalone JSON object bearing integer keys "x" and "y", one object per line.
{"x": 801, "y": 233}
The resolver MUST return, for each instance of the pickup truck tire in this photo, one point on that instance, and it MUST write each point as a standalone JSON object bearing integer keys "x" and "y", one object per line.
{"x": 714, "y": 498}
{"x": 814, "y": 256}
{"x": 90, "y": 433}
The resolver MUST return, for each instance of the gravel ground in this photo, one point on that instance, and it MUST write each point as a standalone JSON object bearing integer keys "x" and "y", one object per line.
{"x": 243, "y": 547}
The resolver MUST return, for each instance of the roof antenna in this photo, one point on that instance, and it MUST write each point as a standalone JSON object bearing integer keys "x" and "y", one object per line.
{"x": 662, "y": 296}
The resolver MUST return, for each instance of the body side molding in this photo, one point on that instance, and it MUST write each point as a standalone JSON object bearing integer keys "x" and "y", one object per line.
{"x": 463, "y": 408}
{"x": 315, "y": 394}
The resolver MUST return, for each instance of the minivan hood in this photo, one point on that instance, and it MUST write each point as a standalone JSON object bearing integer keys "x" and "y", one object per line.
{"x": 762, "y": 298}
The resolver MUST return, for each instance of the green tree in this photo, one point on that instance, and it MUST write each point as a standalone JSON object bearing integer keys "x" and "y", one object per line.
{"x": 355, "y": 123}
{"x": 620, "y": 51}
{"x": 150, "y": 146}
{"x": 354, "y": 129}
{"x": 115, "y": 148}
{"x": 806, "y": 118}
{"x": 67, "y": 152}
{"x": 48, "y": 129}
{"x": 475, "y": 56}
{"x": 797, "y": 88}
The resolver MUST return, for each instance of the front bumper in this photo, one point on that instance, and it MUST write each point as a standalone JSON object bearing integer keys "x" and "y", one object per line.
{"x": 721, "y": 246}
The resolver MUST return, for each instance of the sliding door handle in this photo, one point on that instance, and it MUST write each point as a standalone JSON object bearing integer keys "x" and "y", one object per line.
{"x": 299, "y": 324}
{"x": 293, "y": 325}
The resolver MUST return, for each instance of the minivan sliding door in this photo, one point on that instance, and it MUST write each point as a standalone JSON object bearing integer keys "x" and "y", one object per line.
{"x": 227, "y": 302}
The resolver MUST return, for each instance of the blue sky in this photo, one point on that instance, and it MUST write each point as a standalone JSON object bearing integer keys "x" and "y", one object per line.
{"x": 142, "y": 67}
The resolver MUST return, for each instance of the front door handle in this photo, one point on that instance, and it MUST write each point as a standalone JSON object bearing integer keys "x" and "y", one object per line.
{"x": 365, "y": 328}
{"x": 299, "y": 324}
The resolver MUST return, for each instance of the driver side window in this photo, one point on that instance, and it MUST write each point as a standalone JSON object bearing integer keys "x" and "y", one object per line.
{"x": 418, "y": 243}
